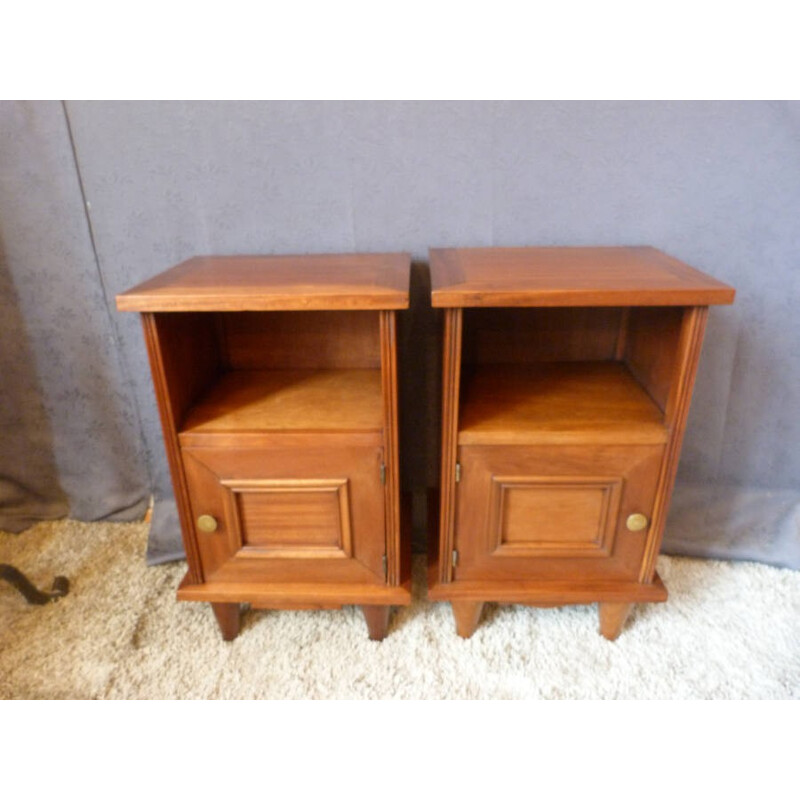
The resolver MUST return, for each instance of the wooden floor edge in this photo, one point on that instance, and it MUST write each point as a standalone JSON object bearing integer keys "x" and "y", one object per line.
{"x": 550, "y": 592}
{"x": 304, "y": 595}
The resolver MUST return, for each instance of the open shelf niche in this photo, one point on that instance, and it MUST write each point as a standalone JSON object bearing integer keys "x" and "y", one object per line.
{"x": 567, "y": 375}
{"x": 276, "y": 371}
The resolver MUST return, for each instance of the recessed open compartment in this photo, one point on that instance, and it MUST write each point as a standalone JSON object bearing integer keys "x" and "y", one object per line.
{"x": 273, "y": 371}
{"x": 567, "y": 375}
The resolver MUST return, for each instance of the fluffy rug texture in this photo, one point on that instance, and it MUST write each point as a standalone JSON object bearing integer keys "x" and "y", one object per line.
{"x": 729, "y": 630}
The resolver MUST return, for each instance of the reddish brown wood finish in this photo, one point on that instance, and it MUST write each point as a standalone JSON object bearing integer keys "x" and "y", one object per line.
{"x": 551, "y": 592}
{"x": 553, "y": 512}
{"x": 612, "y": 618}
{"x": 324, "y": 506}
{"x": 680, "y": 396}
{"x": 173, "y": 396}
{"x": 493, "y": 336}
{"x": 262, "y": 401}
{"x": 558, "y": 403}
{"x": 277, "y": 389}
{"x": 651, "y": 347}
{"x": 391, "y": 460}
{"x": 561, "y": 427}
{"x": 467, "y": 614}
{"x": 377, "y": 619}
{"x": 228, "y": 618}
{"x": 568, "y": 276}
{"x": 276, "y": 283}
{"x": 287, "y": 595}
{"x": 299, "y": 340}
{"x": 451, "y": 377}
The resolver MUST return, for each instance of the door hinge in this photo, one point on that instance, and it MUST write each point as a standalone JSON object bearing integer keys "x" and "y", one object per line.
{"x": 454, "y": 558}
{"x": 383, "y": 474}
{"x": 458, "y": 471}
{"x": 385, "y": 566}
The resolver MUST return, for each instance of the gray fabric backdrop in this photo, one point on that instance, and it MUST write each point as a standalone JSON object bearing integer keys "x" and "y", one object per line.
{"x": 95, "y": 197}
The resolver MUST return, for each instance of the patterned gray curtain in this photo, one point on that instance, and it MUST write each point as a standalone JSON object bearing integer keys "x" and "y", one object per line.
{"x": 70, "y": 436}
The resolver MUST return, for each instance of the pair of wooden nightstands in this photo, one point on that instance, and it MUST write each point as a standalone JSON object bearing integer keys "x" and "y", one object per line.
{"x": 567, "y": 377}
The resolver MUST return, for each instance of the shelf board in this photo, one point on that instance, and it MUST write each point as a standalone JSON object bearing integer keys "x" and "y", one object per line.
{"x": 288, "y": 401}
{"x": 558, "y": 403}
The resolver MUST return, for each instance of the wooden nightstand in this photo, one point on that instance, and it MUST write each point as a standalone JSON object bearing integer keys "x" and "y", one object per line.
{"x": 276, "y": 381}
{"x": 567, "y": 378}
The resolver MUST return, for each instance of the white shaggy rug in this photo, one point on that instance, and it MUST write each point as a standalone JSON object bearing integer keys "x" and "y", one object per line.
{"x": 729, "y": 630}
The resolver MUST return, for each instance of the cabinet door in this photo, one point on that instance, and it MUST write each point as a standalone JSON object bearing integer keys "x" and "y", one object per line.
{"x": 288, "y": 514}
{"x": 553, "y": 512}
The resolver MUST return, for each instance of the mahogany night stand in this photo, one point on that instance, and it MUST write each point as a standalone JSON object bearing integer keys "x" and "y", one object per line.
{"x": 567, "y": 378}
{"x": 276, "y": 382}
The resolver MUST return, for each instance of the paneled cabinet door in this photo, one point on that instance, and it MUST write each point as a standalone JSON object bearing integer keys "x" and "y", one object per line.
{"x": 554, "y": 513}
{"x": 288, "y": 514}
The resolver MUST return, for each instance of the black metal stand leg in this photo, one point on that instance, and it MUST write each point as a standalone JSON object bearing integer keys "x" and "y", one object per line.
{"x": 29, "y": 591}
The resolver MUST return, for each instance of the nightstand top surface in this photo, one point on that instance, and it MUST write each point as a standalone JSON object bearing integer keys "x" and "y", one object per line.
{"x": 276, "y": 283}
{"x": 569, "y": 276}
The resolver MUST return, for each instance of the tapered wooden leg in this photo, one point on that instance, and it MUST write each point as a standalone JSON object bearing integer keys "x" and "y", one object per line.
{"x": 467, "y": 614}
{"x": 612, "y": 618}
{"x": 377, "y": 618}
{"x": 228, "y": 616}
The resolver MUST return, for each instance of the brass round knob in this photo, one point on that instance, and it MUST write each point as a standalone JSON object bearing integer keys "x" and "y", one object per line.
{"x": 206, "y": 523}
{"x": 637, "y": 522}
